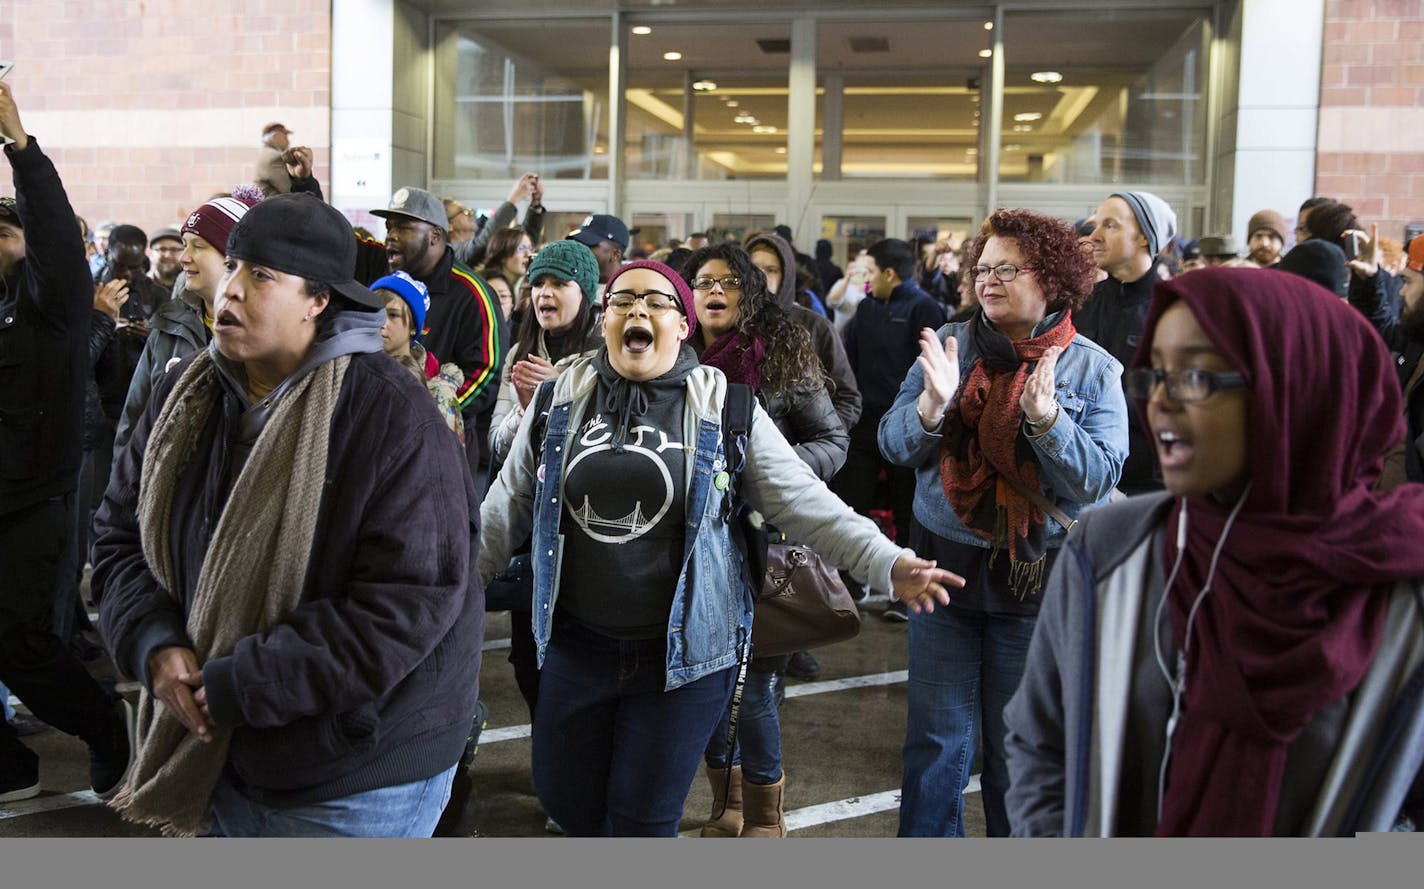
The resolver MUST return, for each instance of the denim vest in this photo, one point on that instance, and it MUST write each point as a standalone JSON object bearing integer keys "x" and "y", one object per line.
{"x": 711, "y": 612}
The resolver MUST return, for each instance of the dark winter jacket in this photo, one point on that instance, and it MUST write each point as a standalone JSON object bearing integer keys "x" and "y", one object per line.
{"x": 45, "y": 303}
{"x": 178, "y": 331}
{"x": 845, "y": 394}
{"x": 372, "y": 680}
{"x": 1113, "y": 318}
{"x": 807, "y": 420}
{"x": 883, "y": 340}
{"x": 1379, "y": 300}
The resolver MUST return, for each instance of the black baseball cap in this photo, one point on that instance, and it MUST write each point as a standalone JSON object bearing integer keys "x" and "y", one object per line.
{"x": 599, "y": 228}
{"x": 10, "y": 213}
{"x": 304, "y": 236}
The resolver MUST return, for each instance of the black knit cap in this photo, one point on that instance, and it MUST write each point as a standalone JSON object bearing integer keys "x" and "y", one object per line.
{"x": 304, "y": 236}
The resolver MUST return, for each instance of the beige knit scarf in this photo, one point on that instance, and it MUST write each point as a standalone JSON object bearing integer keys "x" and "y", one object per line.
{"x": 251, "y": 577}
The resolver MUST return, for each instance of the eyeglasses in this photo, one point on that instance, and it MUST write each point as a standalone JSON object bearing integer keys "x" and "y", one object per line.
{"x": 463, "y": 211}
{"x": 731, "y": 282}
{"x": 655, "y": 301}
{"x": 1004, "y": 271}
{"x": 523, "y": 248}
{"x": 1182, "y": 385}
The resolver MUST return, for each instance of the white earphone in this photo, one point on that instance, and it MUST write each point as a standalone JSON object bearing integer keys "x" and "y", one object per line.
{"x": 1179, "y": 684}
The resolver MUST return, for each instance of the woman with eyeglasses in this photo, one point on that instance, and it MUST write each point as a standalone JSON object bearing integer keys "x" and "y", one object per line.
{"x": 1014, "y": 423}
{"x": 640, "y": 607}
{"x": 1242, "y": 654}
{"x": 745, "y": 332}
{"x": 508, "y": 255}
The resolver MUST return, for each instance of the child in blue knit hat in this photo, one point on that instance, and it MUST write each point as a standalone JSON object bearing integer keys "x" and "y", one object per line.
{"x": 407, "y": 301}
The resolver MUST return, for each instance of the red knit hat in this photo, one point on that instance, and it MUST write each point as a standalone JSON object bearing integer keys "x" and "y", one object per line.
{"x": 684, "y": 293}
{"x": 214, "y": 220}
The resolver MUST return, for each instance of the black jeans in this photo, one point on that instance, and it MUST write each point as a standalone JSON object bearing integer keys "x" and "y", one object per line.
{"x": 36, "y": 665}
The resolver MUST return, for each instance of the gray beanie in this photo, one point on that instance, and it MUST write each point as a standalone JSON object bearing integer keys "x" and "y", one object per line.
{"x": 1155, "y": 219}
{"x": 568, "y": 261}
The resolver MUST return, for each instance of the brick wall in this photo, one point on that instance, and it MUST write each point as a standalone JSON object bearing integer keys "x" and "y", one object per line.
{"x": 1371, "y": 141}
{"x": 148, "y": 107}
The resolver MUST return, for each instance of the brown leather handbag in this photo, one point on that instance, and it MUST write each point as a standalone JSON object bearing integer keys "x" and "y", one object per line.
{"x": 803, "y": 604}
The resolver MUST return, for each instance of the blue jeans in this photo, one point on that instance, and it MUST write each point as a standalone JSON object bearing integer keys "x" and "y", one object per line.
{"x": 758, "y": 747}
{"x": 402, "y": 810}
{"x": 8, "y": 711}
{"x": 613, "y": 753}
{"x": 964, "y": 667}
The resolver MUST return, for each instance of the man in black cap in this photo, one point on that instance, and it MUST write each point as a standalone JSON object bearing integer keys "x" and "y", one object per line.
{"x": 45, "y": 299}
{"x": 323, "y": 637}
{"x": 607, "y": 236}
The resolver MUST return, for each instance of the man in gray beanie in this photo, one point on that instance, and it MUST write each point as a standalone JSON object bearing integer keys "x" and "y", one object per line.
{"x": 1130, "y": 228}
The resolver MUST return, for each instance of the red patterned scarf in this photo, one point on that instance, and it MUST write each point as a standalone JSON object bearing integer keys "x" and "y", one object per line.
{"x": 984, "y": 441}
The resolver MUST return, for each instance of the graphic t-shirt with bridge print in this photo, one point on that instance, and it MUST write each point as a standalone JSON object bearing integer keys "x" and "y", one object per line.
{"x": 623, "y": 521}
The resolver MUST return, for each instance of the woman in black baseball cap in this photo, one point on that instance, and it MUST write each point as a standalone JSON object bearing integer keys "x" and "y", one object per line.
{"x": 284, "y": 555}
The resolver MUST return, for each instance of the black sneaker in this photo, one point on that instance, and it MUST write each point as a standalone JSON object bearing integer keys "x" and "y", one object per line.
{"x": 803, "y": 666}
{"x": 110, "y": 758}
{"x": 896, "y": 612}
{"x": 20, "y": 784}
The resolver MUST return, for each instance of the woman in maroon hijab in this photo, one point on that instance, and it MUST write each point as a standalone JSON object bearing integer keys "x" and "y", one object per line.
{"x": 1241, "y": 654}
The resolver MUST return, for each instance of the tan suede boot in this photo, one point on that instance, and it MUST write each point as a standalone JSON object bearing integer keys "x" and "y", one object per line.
{"x": 762, "y": 809}
{"x": 730, "y": 822}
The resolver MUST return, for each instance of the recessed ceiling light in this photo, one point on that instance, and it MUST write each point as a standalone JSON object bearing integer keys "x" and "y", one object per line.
{"x": 988, "y": 26}
{"x": 672, "y": 56}
{"x": 1046, "y": 77}
{"x": 642, "y": 30}
{"x": 1023, "y": 128}
{"x": 763, "y": 130}
{"x": 1013, "y": 148}
{"x": 732, "y": 103}
{"x": 599, "y": 149}
{"x": 705, "y": 86}
{"x": 781, "y": 149}
{"x": 744, "y": 117}
{"x": 986, "y": 53}
{"x": 971, "y": 151}
{"x": 1027, "y": 117}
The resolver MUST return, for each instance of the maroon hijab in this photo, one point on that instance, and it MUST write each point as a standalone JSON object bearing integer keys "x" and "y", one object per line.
{"x": 1296, "y": 607}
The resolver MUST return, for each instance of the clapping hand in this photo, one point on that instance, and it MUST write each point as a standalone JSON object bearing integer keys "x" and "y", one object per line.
{"x": 1038, "y": 397}
{"x": 527, "y": 375}
{"x": 939, "y": 362}
{"x": 110, "y": 296}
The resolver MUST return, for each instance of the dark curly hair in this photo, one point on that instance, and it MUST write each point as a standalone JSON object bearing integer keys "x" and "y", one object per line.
{"x": 791, "y": 362}
{"x": 1064, "y": 271}
{"x": 1330, "y": 220}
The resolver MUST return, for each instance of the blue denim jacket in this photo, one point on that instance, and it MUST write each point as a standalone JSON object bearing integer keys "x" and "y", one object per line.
{"x": 711, "y": 613}
{"x": 1080, "y": 456}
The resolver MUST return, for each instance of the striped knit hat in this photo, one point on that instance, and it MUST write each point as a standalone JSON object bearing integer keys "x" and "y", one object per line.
{"x": 214, "y": 220}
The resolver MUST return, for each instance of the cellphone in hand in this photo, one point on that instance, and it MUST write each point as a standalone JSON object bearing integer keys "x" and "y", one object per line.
{"x": 5, "y": 69}
{"x": 1350, "y": 241}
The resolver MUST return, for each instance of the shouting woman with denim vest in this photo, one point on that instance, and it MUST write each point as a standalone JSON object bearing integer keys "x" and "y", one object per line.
{"x": 1011, "y": 420}
{"x": 640, "y": 608}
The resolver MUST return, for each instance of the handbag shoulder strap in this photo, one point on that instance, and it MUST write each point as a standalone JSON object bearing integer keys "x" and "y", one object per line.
{"x": 1046, "y": 506}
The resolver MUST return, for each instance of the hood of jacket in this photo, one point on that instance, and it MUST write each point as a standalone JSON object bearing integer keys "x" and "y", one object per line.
{"x": 786, "y": 294}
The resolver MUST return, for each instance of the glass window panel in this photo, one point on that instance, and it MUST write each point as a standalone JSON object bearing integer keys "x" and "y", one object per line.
{"x": 733, "y": 80}
{"x": 851, "y": 234}
{"x": 511, "y": 97}
{"x": 1123, "y": 101}
{"x": 899, "y": 98}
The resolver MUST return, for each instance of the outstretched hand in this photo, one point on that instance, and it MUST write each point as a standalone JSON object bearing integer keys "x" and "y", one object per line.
{"x": 299, "y": 162}
{"x": 919, "y": 583}
{"x": 939, "y": 362}
{"x": 1038, "y": 393}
